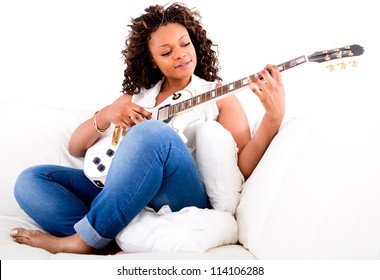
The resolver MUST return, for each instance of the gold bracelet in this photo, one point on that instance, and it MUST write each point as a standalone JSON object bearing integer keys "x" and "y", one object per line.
{"x": 99, "y": 130}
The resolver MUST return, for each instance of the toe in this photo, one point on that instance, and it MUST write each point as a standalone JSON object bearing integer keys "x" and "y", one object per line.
{"x": 14, "y": 232}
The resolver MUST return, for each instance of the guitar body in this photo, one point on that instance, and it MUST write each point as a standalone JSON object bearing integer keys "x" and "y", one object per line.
{"x": 98, "y": 158}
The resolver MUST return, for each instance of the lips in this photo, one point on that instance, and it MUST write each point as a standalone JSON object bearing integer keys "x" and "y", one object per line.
{"x": 182, "y": 65}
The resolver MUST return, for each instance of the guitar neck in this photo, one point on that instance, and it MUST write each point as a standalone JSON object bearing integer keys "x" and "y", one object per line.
{"x": 292, "y": 63}
{"x": 227, "y": 89}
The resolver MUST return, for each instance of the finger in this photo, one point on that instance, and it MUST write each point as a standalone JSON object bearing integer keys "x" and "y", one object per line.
{"x": 136, "y": 119}
{"x": 266, "y": 75}
{"x": 255, "y": 88}
{"x": 124, "y": 125}
{"x": 142, "y": 112}
{"x": 273, "y": 71}
{"x": 147, "y": 115}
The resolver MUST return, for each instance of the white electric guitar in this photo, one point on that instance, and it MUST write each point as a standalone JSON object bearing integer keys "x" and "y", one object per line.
{"x": 98, "y": 158}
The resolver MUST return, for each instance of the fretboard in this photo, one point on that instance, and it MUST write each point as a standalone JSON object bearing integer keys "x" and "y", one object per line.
{"x": 227, "y": 88}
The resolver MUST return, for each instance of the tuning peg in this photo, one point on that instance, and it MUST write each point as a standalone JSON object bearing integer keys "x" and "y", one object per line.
{"x": 342, "y": 65}
{"x": 347, "y": 47}
{"x": 336, "y": 50}
{"x": 331, "y": 67}
{"x": 327, "y": 57}
{"x": 354, "y": 63}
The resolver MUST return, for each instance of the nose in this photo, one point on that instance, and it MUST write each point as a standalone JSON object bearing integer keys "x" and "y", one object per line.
{"x": 179, "y": 53}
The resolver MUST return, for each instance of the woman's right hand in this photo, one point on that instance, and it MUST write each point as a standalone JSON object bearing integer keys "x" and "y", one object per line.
{"x": 122, "y": 113}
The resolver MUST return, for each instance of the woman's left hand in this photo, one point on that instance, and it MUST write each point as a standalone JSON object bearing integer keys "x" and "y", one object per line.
{"x": 268, "y": 87}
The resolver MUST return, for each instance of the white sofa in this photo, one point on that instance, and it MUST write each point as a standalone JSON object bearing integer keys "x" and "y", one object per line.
{"x": 314, "y": 195}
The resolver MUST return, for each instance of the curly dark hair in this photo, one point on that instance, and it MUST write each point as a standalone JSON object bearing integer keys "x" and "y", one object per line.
{"x": 139, "y": 72}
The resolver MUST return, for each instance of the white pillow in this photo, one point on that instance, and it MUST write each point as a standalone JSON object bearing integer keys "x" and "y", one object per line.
{"x": 188, "y": 230}
{"x": 193, "y": 229}
{"x": 216, "y": 156}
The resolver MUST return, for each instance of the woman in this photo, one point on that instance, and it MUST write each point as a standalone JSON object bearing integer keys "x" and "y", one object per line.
{"x": 167, "y": 51}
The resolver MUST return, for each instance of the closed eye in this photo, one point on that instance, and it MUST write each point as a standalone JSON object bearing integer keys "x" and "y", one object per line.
{"x": 169, "y": 52}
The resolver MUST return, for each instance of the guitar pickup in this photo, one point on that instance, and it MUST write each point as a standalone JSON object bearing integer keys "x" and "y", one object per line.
{"x": 116, "y": 135}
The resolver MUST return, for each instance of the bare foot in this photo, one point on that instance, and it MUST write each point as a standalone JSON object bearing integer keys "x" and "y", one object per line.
{"x": 121, "y": 253}
{"x": 51, "y": 243}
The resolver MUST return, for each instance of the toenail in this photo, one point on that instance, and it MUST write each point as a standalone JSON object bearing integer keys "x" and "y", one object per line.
{"x": 14, "y": 232}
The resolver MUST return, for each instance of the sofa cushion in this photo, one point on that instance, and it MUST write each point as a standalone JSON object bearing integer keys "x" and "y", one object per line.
{"x": 315, "y": 193}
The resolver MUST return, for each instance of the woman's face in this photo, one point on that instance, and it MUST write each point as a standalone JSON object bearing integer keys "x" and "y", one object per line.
{"x": 172, "y": 51}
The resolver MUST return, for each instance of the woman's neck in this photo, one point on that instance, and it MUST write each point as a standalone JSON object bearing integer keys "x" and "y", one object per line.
{"x": 172, "y": 86}
{"x": 169, "y": 87}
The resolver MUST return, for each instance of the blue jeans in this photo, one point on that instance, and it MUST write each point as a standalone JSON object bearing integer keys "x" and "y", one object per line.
{"x": 152, "y": 167}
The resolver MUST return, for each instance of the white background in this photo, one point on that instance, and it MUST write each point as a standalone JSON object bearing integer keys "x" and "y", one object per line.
{"x": 68, "y": 53}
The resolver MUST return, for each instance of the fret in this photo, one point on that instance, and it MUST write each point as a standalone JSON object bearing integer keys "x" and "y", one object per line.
{"x": 207, "y": 96}
{"x": 213, "y": 94}
{"x": 187, "y": 104}
{"x": 244, "y": 82}
{"x": 171, "y": 110}
{"x": 293, "y": 63}
{"x": 281, "y": 67}
{"x": 176, "y": 108}
{"x": 224, "y": 89}
{"x": 199, "y": 100}
{"x": 254, "y": 76}
{"x": 238, "y": 84}
{"x": 183, "y": 105}
{"x": 231, "y": 87}
{"x": 218, "y": 91}
{"x": 194, "y": 101}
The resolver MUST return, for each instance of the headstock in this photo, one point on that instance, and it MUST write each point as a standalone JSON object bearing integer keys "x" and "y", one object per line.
{"x": 336, "y": 54}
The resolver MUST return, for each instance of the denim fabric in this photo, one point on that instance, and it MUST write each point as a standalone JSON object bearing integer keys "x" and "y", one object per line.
{"x": 152, "y": 167}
